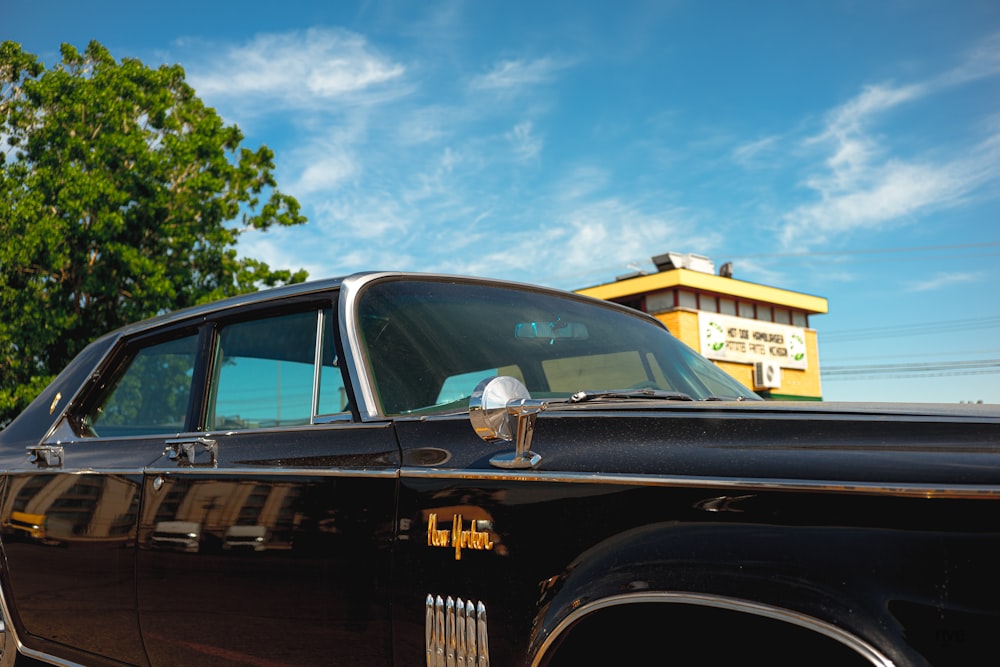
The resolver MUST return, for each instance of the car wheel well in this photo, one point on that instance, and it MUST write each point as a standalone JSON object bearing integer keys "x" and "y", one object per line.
{"x": 717, "y": 636}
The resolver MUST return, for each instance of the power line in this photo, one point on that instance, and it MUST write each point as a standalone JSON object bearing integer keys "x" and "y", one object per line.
{"x": 909, "y": 355}
{"x": 853, "y": 261}
{"x": 905, "y": 376}
{"x": 913, "y": 329}
{"x": 911, "y": 370}
{"x": 868, "y": 251}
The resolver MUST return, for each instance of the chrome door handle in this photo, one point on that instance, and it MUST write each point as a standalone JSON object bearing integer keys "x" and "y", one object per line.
{"x": 46, "y": 456}
{"x": 186, "y": 451}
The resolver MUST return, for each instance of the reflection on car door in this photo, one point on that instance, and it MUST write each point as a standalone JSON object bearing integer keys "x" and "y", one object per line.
{"x": 70, "y": 516}
{"x": 265, "y": 535}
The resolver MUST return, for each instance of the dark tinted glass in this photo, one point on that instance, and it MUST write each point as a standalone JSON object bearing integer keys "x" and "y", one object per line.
{"x": 420, "y": 335}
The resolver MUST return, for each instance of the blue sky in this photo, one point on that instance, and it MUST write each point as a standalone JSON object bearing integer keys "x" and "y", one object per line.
{"x": 845, "y": 149}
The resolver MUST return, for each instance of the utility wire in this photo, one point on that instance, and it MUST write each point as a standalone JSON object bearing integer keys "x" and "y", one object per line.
{"x": 976, "y": 365}
{"x": 906, "y": 375}
{"x": 882, "y": 357}
{"x": 913, "y": 370}
{"x": 913, "y": 329}
{"x": 868, "y": 251}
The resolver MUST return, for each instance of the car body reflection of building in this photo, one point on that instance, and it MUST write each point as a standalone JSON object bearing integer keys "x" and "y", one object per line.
{"x": 251, "y": 509}
{"x": 66, "y": 509}
{"x": 247, "y": 538}
{"x": 183, "y": 535}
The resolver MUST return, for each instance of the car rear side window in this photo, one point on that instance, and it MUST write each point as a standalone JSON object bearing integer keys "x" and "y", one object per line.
{"x": 269, "y": 372}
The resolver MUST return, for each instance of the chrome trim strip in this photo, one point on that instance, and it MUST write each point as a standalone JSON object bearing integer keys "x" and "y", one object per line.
{"x": 337, "y": 424}
{"x": 317, "y": 365}
{"x": 222, "y": 306}
{"x": 927, "y": 491}
{"x": 851, "y": 641}
{"x": 455, "y": 633}
{"x": 482, "y": 637}
{"x": 350, "y": 337}
{"x": 387, "y": 473}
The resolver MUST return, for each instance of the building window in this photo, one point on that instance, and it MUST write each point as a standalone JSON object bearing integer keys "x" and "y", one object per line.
{"x": 660, "y": 302}
{"x": 727, "y": 306}
{"x": 709, "y": 304}
{"x": 799, "y": 319}
{"x": 636, "y": 303}
{"x": 764, "y": 313}
{"x": 782, "y": 316}
{"x": 746, "y": 309}
{"x": 687, "y": 299}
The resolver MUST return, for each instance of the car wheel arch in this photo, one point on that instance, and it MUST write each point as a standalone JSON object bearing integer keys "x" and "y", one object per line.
{"x": 620, "y": 625}
{"x": 666, "y": 569}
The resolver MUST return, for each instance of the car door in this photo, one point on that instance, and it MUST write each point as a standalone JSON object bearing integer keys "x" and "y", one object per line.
{"x": 71, "y": 512}
{"x": 265, "y": 533}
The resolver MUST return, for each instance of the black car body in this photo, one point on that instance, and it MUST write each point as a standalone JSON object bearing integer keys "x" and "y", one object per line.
{"x": 397, "y": 469}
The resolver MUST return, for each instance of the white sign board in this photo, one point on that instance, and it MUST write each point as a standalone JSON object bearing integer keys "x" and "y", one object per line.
{"x": 742, "y": 340}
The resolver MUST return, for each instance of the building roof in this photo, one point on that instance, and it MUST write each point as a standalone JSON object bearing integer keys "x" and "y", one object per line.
{"x": 706, "y": 282}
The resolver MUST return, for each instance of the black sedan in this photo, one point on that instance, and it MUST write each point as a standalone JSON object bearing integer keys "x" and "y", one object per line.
{"x": 398, "y": 469}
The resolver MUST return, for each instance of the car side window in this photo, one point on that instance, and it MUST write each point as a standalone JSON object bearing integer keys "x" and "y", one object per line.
{"x": 150, "y": 395}
{"x": 270, "y": 373}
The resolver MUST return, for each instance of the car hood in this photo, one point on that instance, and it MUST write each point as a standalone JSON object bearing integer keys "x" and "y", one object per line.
{"x": 963, "y": 411}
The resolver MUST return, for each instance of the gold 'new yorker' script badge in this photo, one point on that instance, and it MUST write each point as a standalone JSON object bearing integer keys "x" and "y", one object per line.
{"x": 458, "y": 537}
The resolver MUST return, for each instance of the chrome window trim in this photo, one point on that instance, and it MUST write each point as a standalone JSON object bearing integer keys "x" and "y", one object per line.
{"x": 350, "y": 337}
{"x": 926, "y": 491}
{"x": 271, "y": 471}
{"x": 851, "y": 641}
{"x": 317, "y": 366}
{"x": 332, "y": 421}
{"x": 246, "y": 470}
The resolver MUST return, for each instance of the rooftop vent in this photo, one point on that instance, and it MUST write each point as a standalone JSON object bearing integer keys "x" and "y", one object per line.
{"x": 676, "y": 260}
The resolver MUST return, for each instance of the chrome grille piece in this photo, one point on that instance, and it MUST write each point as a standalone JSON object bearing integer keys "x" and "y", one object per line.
{"x": 455, "y": 633}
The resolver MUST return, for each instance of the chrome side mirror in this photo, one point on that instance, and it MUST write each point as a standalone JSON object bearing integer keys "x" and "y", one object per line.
{"x": 502, "y": 410}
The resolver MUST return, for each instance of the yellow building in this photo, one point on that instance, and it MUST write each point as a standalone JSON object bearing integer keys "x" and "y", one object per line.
{"x": 758, "y": 334}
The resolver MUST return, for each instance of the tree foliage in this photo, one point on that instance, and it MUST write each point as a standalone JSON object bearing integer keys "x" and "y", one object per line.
{"x": 121, "y": 196}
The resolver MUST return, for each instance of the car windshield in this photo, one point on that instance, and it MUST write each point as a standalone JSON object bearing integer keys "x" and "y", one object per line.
{"x": 428, "y": 343}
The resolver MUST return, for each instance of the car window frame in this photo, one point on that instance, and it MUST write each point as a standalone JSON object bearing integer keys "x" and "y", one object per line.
{"x": 315, "y": 302}
{"x": 206, "y": 326}
{"x": 117, "y": 362}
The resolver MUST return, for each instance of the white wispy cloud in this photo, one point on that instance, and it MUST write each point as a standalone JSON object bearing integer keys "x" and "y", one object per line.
{"x": 369, "y": 219}
{"x": 584, "y": 244}
{"x": 324, "y": 172}
{"x": 525, "y": 144}
{"x": 881, "y": 196}
{"x": 942, "y": 280}
{"x": 983, "y": 60}
{"x": 510, "y": 76}
{"x": 298, "y": 69}
{"x": 749, "y": 153}
{"x": 862, "y": 185}
{"x": 425, "y": 125}
{"x": 581, "y": 182}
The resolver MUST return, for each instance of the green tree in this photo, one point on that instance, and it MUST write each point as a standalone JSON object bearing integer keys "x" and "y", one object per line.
{"x": 121, "y": 196}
